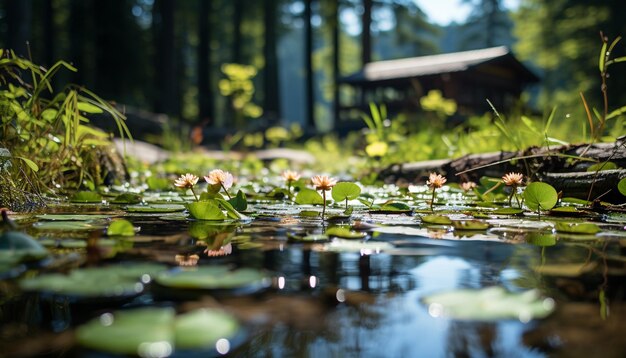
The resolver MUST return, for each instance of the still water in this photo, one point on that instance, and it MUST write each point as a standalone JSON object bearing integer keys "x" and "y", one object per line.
{"x": 322, "y": 302}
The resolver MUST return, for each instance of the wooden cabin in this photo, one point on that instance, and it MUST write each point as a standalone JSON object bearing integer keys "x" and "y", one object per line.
{"x": 468, "y": 77}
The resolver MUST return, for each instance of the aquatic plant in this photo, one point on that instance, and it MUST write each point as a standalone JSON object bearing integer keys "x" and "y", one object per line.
{"x": 323, "y": 183}
{"x": 290, "y": 177}
{"x": 345, "y": 191}
{"x": 187, "y": 181}
{"x": 219, "y": 177}
{"x": 434, "y": 182}
{"x": 514, "y": 180}
{"x": 540, "y": 196}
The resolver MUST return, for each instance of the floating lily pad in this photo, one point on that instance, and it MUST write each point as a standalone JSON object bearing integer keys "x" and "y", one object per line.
{"x": 540, "y": 196}
{"x": 213, "y": 278}
{"x": 99, "y": 282}
{"x": 72, "y": 217}
{"x": 67, "y": 225}
{"x": 345, "y": 191}
{"x": 309, "y": 196}
{"x": 508, "y": 211}
{"x": 470, "y": 225}
{"x": 489, "y": 304}
{"x": 313, "y": 238}
{"x": 155, "y": 208}
{"x": 309, "y": 213}
{"x": 206, "y": 210}
{"x": 345, "y": 233}
{"x": 621, "y": 186}
{"x": 121, "y": 227}
{"x": 539, "y": 239}
{"x": 127, "y": 198}
{"x": 144, "y": 331}
{"x": 565, "y": 211}
{"x": 577, "y": 228}
{"x": 90, "y": 197}
{"x": 436, "y": 219}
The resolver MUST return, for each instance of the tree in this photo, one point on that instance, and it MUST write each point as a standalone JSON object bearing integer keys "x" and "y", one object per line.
{"x": 166, "y": 98}
{"x": 271, "y": 92}
{"x": 488, "y": 25}
{"x": 205, "y": 93}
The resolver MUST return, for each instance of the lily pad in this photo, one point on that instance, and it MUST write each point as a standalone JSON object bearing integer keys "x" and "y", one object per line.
{"x": 470, "y": 225}
{"x": 155, "y": 208}
{"x": 508, "y": 211}
{"x": 98, "y": 282}
{"x": 539, "y": 239}
{"x": 345, "y": 233}
{"x": 540, "y": 196}
{"x": 489, "y": 304}
{"x": 206, "y": 210}
{"x": 566, "y": 270}
{"x": 577, "y": 228}
{"x": 66, "y": 225}
{"x": 621, "y": 186}
{"x": 213, "y": 278}
{"x": 565, "y": 211}
{"x": 145, "y": 331}
{"x": 309, "y": 196}
{"x": 345, "y": 191}
{"x": 127, "y": 198}
{"x": 309, "y": 213}
{"x": 121, "y": 227}
{"x": 86, "y": 197}
{"x": 72, "y": 217}
{"x": 436, "y": 219}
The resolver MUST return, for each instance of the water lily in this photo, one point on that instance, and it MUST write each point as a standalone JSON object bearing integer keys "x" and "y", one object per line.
{"x": 467, "y": 186}
{"x": 514, "y": 180}
{"x": 187, "y": 260}
{"x": 187, "y": 181}
{"x": 224, "y": 250}
{"x": 323, "y": 183}
{"x": 224, "y": 179}
{"x": 434, "y": 182}
{"x": 290, "y": 177}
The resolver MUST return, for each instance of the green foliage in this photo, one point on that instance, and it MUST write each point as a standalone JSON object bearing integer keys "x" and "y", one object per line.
{"x": 121, "y": 227}
{"x": 238, "y": 86}
{"x": 345, "y": 191}
{"x": 239, "y": 202}
{"x": 540, "y": 196}
{"x": 621, "y": 186}
{"x": 309, "y": 196}
{"x": 577, "y": 228}
{"x": 206, "y": 210}
{"x": 48, "y": 131}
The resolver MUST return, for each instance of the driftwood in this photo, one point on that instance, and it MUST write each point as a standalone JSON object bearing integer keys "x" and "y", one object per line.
{"x": 564, "y": 167}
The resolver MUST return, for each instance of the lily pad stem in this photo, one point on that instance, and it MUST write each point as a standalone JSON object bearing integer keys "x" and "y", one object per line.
{"x": 226, "y": 191}
{"x": 432, "y": 201}
{"x": 323, "y": 204}
{"x": 194, "y": 193}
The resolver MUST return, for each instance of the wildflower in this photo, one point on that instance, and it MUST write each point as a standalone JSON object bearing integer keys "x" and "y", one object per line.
{"x": 468, "y": 185}
{"x": 290, "y": 176}
{"x": 323, "y": 183}
{"x": 224, "y": 179}
{"x": 187, "y": 260}
{"x": 187, "y": 181}
{"x": 435, "y": 181}
{"x": 222, "y": 251}
{"x": 513, "y": 179}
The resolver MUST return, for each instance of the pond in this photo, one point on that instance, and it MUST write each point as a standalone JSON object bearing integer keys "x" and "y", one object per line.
{"x": 386, "y": 281}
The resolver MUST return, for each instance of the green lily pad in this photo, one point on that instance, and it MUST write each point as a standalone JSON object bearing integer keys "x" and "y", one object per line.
{"x": 158, "y": 184}
{"x": 470, "y": 225}
{"x": 602, "y": 166}
{"x": 99, "y": 282}
{"x": 309, "y": 197}
{"x": 72, "y": 217}
{"x": 145, "y": 331}
{"x": 565, "y": 211}
{"x": 309, "y": 213}
{"x": 345, "y": 191}
{"x": 314, "y": 238}
{"x": 127, "y": 198}
{"x": 206, "y": 210}
{"x": 539, "y": 239}
{"x": 436, "y": 219}
{"x": 86, "y": 197}
{"x": 205, "y": 229}
{"x": 508, "y": 211}
{"x": 213, "y": 278}
{"x": 489, "y": 304}
{"x": 540, "y": 196}
{"x": 344, "y": 232}
{"x": 155, "y": 208}
{"x": 17, "y": 247}
{"x": 67, "y": 225}
{"x": 239, "y": 202}
{"x": 395, "y": 206}
{"x": 121, "y": 227}
{"x": 621, "y": 186}
{"x": 577, "y": 228}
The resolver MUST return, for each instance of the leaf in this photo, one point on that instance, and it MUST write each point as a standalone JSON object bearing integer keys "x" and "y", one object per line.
{"x": 239, "y": 202}
{"x": 489, "y": 304}
{"x": 602, "y": 166}
{"x": 89, "y": 108}
{"x": 436, "y": 219}
{"x": 206, "y": 210}
{"x": 565, "y": 270}
{"x": 230, "y": 210}
{"x": 470, "y": 225}
{"x": 66, "y": 225}
{"x": 309, "y": 196}
{"x": 127, "y": 198}
{"x": 156, "y": 183}
{"x": 72, "y": 217}
{"x": 344, "y": 232}
{"x": 155, "y": 208}
{"x": 34, "y": 167}
{"x": 86, "y": 197}
{"x": 577, "y": 228}
{"x": 621, "y": 186}
{"x": 539, "y": 239}
{"x": 540, "y": 196}
{"x": 212, "y": 278}
{"x": 202, "y": 328}
{"x": 121, "y": 227}
{"x": 602, "y": 59}
{"x": 508, "y": 211}
{"x": 344, "y": 190}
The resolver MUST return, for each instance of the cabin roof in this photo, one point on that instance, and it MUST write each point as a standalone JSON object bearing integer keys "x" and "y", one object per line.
{"x": 438, "y": 64}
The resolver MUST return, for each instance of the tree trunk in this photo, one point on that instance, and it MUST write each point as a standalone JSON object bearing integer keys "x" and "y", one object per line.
{"x": 308, "y": 48}
{"x": 366, "y": 32}
{"x": 334, "y": 21}
{"x": 165, "y": 57}
{"x": 205, "y": 94}
{"x": 237, "y": 20}
{"x": 271, "y": 83}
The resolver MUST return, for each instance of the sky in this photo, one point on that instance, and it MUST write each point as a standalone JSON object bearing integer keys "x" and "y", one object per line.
{"x": 443, "y": 12}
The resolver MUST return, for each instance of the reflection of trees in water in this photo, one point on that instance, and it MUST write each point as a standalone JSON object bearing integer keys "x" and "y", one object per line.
{"x": 471, "y": 339}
